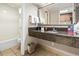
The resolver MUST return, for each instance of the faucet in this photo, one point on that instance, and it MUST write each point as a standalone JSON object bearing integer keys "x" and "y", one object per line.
{"x": 54, "y": 29}
{"x": 38, "y": 26}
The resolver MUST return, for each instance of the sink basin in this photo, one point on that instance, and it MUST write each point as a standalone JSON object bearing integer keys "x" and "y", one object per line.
{"x": 51, "y": 31}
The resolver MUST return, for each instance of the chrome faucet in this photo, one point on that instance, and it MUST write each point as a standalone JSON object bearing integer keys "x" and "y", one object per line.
{"x": 54, "y": 29}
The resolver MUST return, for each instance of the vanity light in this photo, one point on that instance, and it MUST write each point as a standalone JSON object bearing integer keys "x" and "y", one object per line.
{"x": 20, "y": 10}
{"x": 64, "y": 11}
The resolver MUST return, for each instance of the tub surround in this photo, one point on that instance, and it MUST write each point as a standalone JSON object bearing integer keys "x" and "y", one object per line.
{"x": 60, "y": 37}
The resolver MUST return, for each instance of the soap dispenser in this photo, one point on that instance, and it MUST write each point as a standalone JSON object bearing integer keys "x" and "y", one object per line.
{"x": 42, "y": 29}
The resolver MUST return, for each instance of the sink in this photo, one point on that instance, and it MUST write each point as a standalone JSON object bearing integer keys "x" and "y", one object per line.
{"x": 51, "y": 31}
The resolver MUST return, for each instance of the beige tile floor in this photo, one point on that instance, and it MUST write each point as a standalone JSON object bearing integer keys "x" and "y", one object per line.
{"x": 15, "y": 51}
{"x": 42, "y": 52}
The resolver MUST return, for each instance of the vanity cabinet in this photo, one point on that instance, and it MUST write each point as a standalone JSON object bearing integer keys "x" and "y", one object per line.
{"x": 64, "y": 40}
{"x": 76, "y": 43}
{"x": 44, "y": 36}
{"x": 72, "y": 41}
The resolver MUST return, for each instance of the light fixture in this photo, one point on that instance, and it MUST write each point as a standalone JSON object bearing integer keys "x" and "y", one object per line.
{"x": 20, "y": 10}
{"x": 64, "y": 11}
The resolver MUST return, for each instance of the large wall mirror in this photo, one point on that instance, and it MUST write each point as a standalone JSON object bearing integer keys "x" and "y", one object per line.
{"x": 57, "y": 13}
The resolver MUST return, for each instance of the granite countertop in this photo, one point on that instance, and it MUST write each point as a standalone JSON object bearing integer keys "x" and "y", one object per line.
{"x": 57, "y": 33}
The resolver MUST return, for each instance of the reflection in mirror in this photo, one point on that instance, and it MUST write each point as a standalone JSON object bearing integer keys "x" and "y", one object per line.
{"x": 33, "y": 19}
{"x": 65, "y": 17}
{"x": 57, "y": 13}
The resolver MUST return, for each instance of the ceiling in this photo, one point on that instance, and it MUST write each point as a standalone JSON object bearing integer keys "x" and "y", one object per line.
{"x": 49, "y": 6}
{"x": 15, "y": 5}
{"x": 18, "y": 5}
{"x": 39, "y": 5}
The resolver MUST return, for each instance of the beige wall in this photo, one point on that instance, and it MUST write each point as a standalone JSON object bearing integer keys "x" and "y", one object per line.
{"x": 9, "y": 18}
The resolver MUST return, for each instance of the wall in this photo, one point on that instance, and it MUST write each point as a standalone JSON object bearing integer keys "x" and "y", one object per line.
{"x": 27, "y": 10}
{"x": 9, "y": 19}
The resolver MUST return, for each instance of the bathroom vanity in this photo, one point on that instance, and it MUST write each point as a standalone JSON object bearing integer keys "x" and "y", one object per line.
{"x": 61, "y": 37}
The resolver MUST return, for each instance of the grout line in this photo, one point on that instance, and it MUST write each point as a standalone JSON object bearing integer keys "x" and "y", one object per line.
{"x": 13, "y": 51}
{"x": 4, "y": 54}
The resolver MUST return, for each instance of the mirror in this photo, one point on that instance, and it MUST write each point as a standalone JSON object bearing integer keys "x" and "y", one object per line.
{"x": 57, "y": 13}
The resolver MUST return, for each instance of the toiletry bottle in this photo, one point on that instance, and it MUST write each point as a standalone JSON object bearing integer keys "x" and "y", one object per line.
{"x": 42, "y": 29}
{"x": 69, "y": 30}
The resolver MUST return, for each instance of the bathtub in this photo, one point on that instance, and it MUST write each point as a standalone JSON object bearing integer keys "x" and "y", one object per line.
{"x": 6, "y": 44}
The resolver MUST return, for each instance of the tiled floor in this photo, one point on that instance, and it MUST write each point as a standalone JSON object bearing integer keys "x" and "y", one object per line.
{"x": 15, "y": 51}
{"x": 42, "y": 52}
